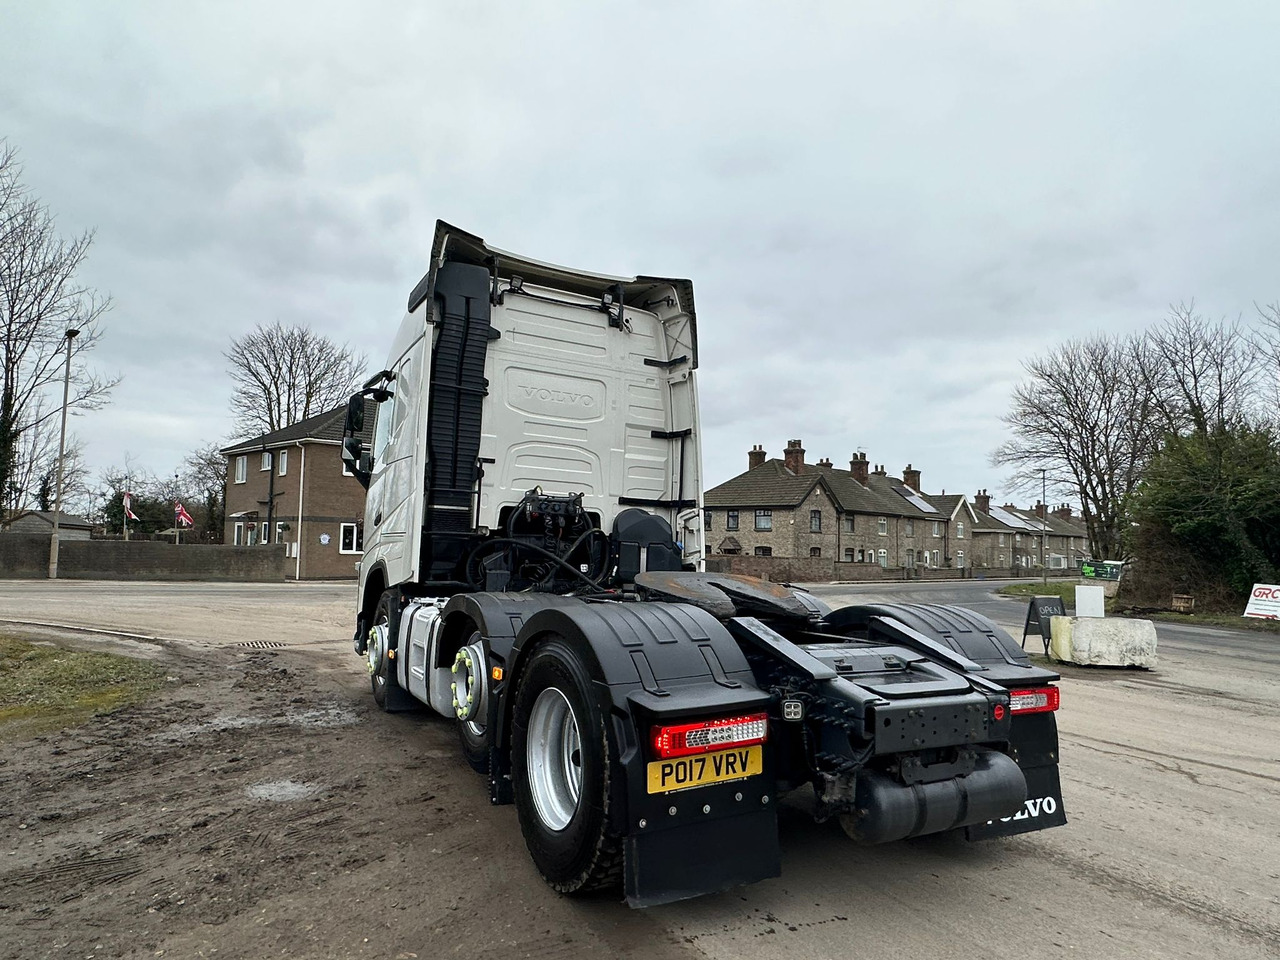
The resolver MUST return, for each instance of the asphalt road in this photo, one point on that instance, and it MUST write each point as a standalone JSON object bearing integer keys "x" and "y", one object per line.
{"x": 1171, "y": 780}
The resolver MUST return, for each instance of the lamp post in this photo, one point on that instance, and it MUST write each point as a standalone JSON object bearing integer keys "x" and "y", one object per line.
{"x": 71, "y": 334}
{"x": 1044, "y": 526}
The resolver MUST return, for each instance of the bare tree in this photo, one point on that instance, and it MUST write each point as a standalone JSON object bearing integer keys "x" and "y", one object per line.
{"x": 1204, "y": 373}
{"x": 40, "y": 298}
{"x": 286, "y": 374}
{"x": 1267, "y": 342}
{"x": 206, "y": 476}
{"x": 1085, "y": 417}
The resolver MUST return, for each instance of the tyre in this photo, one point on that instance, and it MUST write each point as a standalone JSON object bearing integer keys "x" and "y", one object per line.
{"x": 382, "y": 636}
{"x": 561, "y": 756}
{"x": 474, "y": 734}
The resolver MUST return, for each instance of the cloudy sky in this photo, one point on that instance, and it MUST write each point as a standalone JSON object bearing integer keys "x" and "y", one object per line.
{"x": 883, "y": 206}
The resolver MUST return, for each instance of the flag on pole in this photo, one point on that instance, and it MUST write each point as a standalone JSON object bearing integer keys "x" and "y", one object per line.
{"x": 180, "y": 515}
{"x": 128, "y": 507}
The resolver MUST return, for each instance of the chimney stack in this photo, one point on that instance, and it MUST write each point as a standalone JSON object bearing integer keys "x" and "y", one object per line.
{"x": 982, "y": 500}
{"x": 858, "y": 467}
{"x": 879, "y": 471}
{"x": 825, "y": 462}
{"x": 793, "y": 457}
{"x": 1063, "y": 512}
{"x": 1039, "y": 511}
{"x": 755, "y": 456}
{"x": 911, "y": 478}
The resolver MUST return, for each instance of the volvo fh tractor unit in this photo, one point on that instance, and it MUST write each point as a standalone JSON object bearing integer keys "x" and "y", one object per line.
{"x": 533, "y": 570}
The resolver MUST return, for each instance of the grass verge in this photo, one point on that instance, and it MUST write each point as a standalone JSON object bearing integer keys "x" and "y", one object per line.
{"x": 1054, "y": 588}
{"x": 44, "y": 687}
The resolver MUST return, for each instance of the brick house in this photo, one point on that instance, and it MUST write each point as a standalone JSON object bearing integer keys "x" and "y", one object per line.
{"x": 291, "y": 487}
{"x": 793, "y": 509}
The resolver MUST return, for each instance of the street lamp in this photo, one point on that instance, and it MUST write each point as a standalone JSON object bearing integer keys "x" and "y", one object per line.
{"x": 1044, "y": 526}
{"x": 71, "y": 334}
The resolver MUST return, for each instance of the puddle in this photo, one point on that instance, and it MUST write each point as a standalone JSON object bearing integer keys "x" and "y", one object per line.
{"x": 282, "y": 791}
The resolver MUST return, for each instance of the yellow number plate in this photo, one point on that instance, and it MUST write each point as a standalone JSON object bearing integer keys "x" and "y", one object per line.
{"x": 703, "y": 768}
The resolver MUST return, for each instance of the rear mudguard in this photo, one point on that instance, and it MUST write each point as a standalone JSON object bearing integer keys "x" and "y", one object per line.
{"x": 652, "y": 663}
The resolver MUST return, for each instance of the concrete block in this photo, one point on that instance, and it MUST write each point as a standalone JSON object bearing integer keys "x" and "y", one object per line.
{"x": 1110, "y": 642}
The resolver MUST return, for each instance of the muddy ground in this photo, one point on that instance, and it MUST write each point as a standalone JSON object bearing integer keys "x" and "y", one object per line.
{"x": 261, "y": 806}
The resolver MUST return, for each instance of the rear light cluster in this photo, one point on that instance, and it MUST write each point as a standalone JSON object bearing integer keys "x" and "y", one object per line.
{"x": 1037, "y": 700}
{"x": 683, "y": 739}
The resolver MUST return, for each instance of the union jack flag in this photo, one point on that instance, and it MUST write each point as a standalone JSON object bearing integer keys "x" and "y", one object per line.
{"x": 180, "y": 514}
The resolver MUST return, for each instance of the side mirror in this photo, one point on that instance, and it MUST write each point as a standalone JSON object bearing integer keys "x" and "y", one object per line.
{"x": 357, "y": 460}
{"x": 355, "y": 415}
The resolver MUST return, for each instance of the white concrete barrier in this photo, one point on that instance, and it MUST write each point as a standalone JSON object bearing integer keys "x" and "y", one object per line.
{"x": 1104, "y": 642}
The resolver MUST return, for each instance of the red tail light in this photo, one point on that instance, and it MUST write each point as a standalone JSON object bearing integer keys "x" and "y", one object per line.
{"x": 1035, "y": 700}
{"x": 683, "y": 739}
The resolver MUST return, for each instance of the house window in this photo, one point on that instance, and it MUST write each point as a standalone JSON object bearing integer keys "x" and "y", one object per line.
{"x": 815, "y": 521}
{"x": 1001, "y": 540}
{"x": 764, "y": 521}
{"x": 882, "y": 527}
{"x": 262, "y": 533}
{"x": 846, "y": 524}
{"x": 1017, "y": 538}
{"x": 862, "y": 556}
{"x": 848, "y": 554}
{"x": 937, "y": 528}
{"x": 911, "y": 528}
{"x": 731, "y": 520}
{"x": 266, "y": 460}
{"x": 815, "y": 551}
{"x": 350, "y": 538}
{"x": 1000, "y": 559}
{"x": 884, "y": 558}
{"x": 242, "y": 468}
{"x": 706, "y": 519}
{"x": 238, "y": 539}
{"x": 764, "y": 551}
{"x": 959, "y": 558}
{"x": 280, "y": 525}
{"x": 283, "y": 457}
{"x": 935, "y": 558}
{"x": 960, "y": 530}
{"x": 910, "y": 560}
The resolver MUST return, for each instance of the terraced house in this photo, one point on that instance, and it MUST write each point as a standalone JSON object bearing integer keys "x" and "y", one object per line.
{"x": 788, "y": 508}
{"x": 1008, "y": 538}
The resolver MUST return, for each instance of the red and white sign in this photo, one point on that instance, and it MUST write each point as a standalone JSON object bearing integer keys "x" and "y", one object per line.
{"x": 1264, "y": 602}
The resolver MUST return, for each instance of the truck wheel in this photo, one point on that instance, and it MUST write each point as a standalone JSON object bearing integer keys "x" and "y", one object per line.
{"x": 386, "y": 622}
{"x": 474, "y": 734}
{"x": 561, "y": 756}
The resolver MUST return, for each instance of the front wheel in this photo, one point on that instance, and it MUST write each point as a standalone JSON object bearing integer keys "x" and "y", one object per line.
{"x": 381, "y": 641}
{"x": 561, "y": 758}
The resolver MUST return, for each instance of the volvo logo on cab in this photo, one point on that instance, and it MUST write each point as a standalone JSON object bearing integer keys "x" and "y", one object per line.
{"x": 556, "y": 396}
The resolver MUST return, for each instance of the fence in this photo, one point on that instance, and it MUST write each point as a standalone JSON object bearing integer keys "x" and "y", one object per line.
{"x": 27, "y": 557}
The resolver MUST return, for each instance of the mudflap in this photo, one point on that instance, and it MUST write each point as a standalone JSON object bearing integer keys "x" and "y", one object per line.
{"x": 1042, "y": 809}
{"x": 668, "y": 865}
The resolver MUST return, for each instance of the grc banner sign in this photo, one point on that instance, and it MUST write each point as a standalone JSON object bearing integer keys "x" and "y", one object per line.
{"x": 1264, "y": 602}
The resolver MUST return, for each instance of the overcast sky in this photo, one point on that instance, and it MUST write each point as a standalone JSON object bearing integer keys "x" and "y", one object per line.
{"x": 882, "y": 206}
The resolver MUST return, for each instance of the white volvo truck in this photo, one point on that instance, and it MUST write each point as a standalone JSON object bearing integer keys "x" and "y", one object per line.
{"x": 533, "y": 570}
